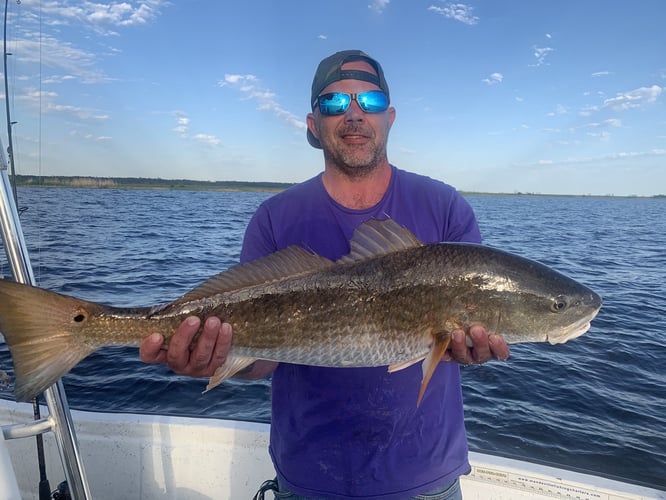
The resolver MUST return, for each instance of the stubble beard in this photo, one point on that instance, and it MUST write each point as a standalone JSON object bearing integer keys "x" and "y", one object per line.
{"x": 356, "y": 162}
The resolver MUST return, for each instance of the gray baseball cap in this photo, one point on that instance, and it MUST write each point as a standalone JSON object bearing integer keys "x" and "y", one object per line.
{"x": 330, "y": 70}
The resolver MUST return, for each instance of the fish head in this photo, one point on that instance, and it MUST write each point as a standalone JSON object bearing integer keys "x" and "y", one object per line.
{"x": 535, "y": 303}
{"x": 572, "y": 315}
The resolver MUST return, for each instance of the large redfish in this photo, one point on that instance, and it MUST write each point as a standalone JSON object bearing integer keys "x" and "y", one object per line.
{"x": 391, "y": 301}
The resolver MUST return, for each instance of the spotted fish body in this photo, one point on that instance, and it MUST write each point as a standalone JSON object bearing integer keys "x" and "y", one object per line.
{"x": 391, "y": 301}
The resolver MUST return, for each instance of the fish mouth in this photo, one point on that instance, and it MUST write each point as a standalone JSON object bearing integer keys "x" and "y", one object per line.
{"x": 572, "y": 331}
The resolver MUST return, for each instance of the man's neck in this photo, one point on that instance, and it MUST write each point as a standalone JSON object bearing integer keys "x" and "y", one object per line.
{"x": 357, "y": 193}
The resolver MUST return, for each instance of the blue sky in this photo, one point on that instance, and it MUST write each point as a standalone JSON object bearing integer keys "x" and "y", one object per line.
{"x": 549, "y": 96}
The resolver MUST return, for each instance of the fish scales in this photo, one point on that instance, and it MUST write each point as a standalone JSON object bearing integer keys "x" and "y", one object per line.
{"x": 391, "y": 301}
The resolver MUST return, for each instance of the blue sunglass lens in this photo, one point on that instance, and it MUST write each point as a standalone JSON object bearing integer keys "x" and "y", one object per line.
{"x": 336, "y": 103}
{"x": 372, "y": 102}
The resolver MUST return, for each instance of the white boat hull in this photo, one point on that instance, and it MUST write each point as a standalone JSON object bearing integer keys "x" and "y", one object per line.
{"x": 147, "y": 457}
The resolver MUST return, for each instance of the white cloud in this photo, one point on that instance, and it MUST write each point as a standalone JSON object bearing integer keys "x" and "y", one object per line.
{"x": 493, "y": 79}
{"x": 597, "y": 74}
{"x": 378, "y": 5}
{"x": 182, "y": 124}
{"x": 100, "y": 17}
{"x": 45, "y": 101}
{"x": 233, "y": 79}
{"x": 60, "y": 56}
{"x": 182, "y": 128}
{"x": 611, "y": 122}
{"x": 457, "y": 11}
{"x": 540, "y": 53}
{"x": 623, "y": 155}
{"x": 55, "y": 79}
{"x": 90, "y": 137}
{"x": 210, "y": 140}
{"x": 250, "y": 86}
{"x": 634, "y": 98}
{"x": 603, "y": 135}
{"x": 559, "y": 110}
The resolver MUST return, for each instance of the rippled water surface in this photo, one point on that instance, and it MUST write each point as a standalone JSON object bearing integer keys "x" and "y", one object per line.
{"x": 596, "y": 403}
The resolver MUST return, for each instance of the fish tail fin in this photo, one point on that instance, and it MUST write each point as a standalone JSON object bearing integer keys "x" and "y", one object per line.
{"x": 439, "y": 346}
{"x": 231, "y": 367}
{"x": 41, "y": 329}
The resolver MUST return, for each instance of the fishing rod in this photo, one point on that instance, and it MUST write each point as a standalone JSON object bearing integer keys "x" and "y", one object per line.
{"x": 10, "y": 124}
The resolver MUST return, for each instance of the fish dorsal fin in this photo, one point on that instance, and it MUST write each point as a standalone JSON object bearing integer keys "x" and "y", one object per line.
{"x": 289, "y": 262}
{"x": 378, "y": 237}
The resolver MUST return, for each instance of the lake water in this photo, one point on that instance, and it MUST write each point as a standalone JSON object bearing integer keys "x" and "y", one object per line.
{"x": 597, "y": 403}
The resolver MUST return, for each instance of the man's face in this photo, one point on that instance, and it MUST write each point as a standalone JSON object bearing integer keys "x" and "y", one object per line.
{"x": 354, "y": 141}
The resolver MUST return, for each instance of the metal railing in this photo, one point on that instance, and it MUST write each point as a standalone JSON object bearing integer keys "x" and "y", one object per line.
{"x": 59, "y": 420}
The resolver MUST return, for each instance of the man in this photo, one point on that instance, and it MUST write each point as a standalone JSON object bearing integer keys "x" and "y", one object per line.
{"x": 353, "y": 432}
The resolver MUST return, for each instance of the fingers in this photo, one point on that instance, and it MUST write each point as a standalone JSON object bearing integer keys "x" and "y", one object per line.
{"x": 150, "y": 350}
{"x": 459, "y": 350}
{"x": 480, "y": 347}
{"x": 484, "y": 346}
{"x": 178, "y": 354}
{"x": 211, "y": 349}
{"x": 498, "y": 347}
{"x": 209, "y": 352}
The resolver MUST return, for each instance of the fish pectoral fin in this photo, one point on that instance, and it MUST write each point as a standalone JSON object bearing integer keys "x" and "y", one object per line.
{"x": 439, "y": 346}
{"x": 231, "y": 367}
{"x": 404, "y": 364}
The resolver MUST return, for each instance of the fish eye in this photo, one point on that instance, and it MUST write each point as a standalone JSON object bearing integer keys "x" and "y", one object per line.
{"x": 559, "y": 304}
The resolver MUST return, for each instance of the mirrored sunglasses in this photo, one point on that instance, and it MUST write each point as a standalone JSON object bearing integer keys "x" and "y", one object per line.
{"x": 336, "y": 103}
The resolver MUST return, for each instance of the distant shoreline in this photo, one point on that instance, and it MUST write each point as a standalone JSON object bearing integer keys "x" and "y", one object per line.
{"x": 145, "y": 183}
{"x": 61, "y": 181}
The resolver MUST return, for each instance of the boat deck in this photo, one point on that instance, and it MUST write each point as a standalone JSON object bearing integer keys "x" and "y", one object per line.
{"x": 151, "y": 456}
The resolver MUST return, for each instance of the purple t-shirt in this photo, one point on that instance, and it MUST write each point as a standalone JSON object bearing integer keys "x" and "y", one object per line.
{"x": 352, "y": 433}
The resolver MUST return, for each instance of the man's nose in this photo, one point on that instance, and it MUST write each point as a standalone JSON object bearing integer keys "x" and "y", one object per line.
{"x": 354, "y": 112}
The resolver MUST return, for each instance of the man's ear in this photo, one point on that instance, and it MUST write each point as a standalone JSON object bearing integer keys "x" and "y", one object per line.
{"x": 312, "y": 125}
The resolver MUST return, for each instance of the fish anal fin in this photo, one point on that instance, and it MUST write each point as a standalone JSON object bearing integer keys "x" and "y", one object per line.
{"x": 289, "y": 262}
{"x": 439, "y": 346}
{"x": 404, "y": 364}
{"x": 378, "y": 237}
{"x": 231, "y": 367}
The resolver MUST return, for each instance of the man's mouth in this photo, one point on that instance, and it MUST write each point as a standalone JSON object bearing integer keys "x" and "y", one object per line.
{"x": 354, "y": 137}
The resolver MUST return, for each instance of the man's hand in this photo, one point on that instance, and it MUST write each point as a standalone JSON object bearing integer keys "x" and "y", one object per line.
{"x": 484, "y": 347}
{"x": 209, "y": 353}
